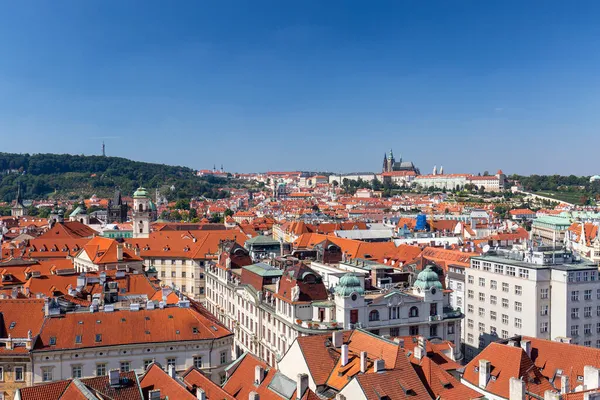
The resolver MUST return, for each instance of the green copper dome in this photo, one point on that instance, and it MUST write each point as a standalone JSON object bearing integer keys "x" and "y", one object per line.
{"x": 428, "y": 279}
{"x": 349, "y": 284}
{"x": 140, "y": 192}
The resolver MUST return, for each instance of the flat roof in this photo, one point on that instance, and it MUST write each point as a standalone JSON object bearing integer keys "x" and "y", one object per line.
{"x": 263, "y": 269}
{"x": 563, "y": 267}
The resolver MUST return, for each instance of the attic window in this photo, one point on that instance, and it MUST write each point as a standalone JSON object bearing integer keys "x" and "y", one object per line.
{"x": 80, "y": 322}
{"x": 123, "y": 320}
{"x": 98, "y": 337}
{"x": 580, "y": 378}
{"x": 194, "y": 330}
{"x": 12, "y": 325}
{"x": 78, "y": 339}
{"x": 177, "y": 332}
{"x": 147, "y": 318}
{"x": 52, "y": 340}
{"x": 98, "y": 321}
{"x": 147, "y": 332}
{"x": 214, "y": 328}
{"x": 170, "y": 316}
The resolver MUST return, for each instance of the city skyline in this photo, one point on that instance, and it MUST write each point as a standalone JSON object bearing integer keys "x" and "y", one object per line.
{"x": 311, "y": 86}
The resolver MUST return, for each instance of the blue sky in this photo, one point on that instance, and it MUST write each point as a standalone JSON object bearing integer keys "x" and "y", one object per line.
{"x": 306, "y": 85}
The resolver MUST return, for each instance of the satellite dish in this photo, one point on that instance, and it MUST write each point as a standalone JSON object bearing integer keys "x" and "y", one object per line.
{"x": 486, "y": 248}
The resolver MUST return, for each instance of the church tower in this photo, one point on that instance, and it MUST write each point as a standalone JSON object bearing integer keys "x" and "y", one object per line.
{"x": 18, "y": 210}
{"x": 141, "y": 213}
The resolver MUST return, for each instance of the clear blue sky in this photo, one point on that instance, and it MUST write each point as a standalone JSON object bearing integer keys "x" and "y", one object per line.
{"x": 306, "y": 85}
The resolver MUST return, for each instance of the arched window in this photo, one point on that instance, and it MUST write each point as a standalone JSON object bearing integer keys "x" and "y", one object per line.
{"x": 374, "y": 315}
{"x": 413, "y": 312}
{"x": 141, "y": 208}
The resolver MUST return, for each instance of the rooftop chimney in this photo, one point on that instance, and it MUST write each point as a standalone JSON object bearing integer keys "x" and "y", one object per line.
{"x": 516, "y": 389}
{"x": 591, "y": 377}
{"x": 363, "y": 361}
{"x": 119, "y": 251}
{"x": 171, "y": 371}
{"x": 301, "y": 385}
{"x": 400, "y": 342}
{"x": 379, "y": 366}
{"x": 259, "y": 374}
{"x": 114, "y": 377}
{"x": 154, "y": 394}
{"x": 337, "y": 339}
{"x": 200, "y": 394}
{"x": 564, "y": 384}
{"x": 484, "y": 373}
{"x": 526, "y": 346}
{"x": 344, "y": 355}
{"x": 253, "y": 396}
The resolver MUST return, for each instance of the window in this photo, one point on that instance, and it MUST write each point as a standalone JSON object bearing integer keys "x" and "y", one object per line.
{"x": 518, "y": 306}
{"x": 482, "y": 282}
{"x": 505, "y": 319}
{"x": 222, "y": 379}
{"x": 510, "y": 271}
{"x": 470, "y": 279}
{"x": 394, "y": 332}
{"x": 587, "y": 329}
{"x": 504, "y": 334}
{"x": 587, "y": 294}
{"x": 163, "y": 274}
{"x": 493, "y": 300}
{"x": 598, "y": 327}
{"x": 544, "y": 309}
{"x": 98, "y": 338}
{"x": 52, "y": 340}
{"x": 518, "y": 290}
{"x": 459, "y": 302}
{"x": 481, "y": 312}
{"x": 147, "y": 363}
{"x": 504, "y": 303}
{"x": 494, "y": 285}
{"x": 543, "y": 327}
{"x": 499, "y": 269}
{"x": 470, "y": 338}
{"x": 414, "y": 330}
{"x": 587, "y": 312}
{"x": 172, "y": 274}
{"x": 518, "y": 323}
{"x": 47, "y": 374}
{"x": 574, "y": 330}
{"x": 481, "y": 327}
{"x": 413, "y": 312}
{"x": 470, "y": 308}
{"x": 544, "y": 293}
{"x": 19, "y": 374}
{"x": 183, "y": 274}
{"x": 523, "y": 273}
{"x": 470, "y": 323}
{"x": 459, "y": 286}
{"x": 198, "y": 362}
{"x": 101, "y": 369}
{"x": 575, "y": 295}
{"x": 450, "y": 329}
{"x": 481, "y": 296}
{"x": 76, "y": 371}
{"x": 373, "y": 316}
{"x": 223, "y": 357}
{"x": 470, "y": 294}
{"x": 574, "y": 313}
{"x": 433, "y": 330}
{"x": 183, "y": 289}
{"x": 125, "y": 366}
{"x": 598, "y": 294}
{"x": 493, "y": 330}
{"x": 1, "y": 374}
{"x": 170, "y": 362}
{"x": 505, "y": 287}
{"x": 587, "y": 343}
{"x": 598, "y": 311}
{"x": 493, "y": 315}
{"x": 78, "y": 339}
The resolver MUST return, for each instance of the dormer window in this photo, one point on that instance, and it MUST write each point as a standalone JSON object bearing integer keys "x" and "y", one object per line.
{"x": 52, "y": 340}
{"x": 98, "y": 338}
{"x": 78, "y": 339}
{"x": 12, "y": 325}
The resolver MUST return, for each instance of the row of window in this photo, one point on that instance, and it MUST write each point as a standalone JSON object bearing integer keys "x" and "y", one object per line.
{"x": 481, "y": 326}
{"x": 18, "y": 374}
{"x": 501, "y": 269}
{"x": 587, "y": 295}
{"x": 582, "y": 276}
{"x": 494, "y": 301}
{"x": 587, "y": 312}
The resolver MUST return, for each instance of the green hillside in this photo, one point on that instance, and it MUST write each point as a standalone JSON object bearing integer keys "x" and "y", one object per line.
{"x": 68, "y": 176}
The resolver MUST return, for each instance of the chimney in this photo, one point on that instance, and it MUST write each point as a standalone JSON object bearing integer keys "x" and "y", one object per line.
{"x": 379, "y": 366}
{"x": 363, "y": 362}
{"x": 114, "y": 377}
{"x": 119, "y": 251}
{"x": 301, "y": 385}
{"x": 253, "y": 396}
{"x": 344, "y": 355}
{"x": 516, "y": 389}
{"x": 564, "y": 384}
{"x": 551, "y": 395}
{"x": 259, "y": 374}
{"x": 591, "y": 377}
{"x": 200, "y": 394}
{"x": 484, "y": 373}
{"x": 400, "y": 342}
{"x": 171, "y": 371}
{"x": 337, "y": 338}
{"x": 137, "y": 251}
{"x": 526, "y": 346}
{"x": 154, "y": 394}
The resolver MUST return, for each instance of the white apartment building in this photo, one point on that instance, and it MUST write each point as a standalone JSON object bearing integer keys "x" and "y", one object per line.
{"x": 88, "y": 344}
{"x": 540, "y": 293}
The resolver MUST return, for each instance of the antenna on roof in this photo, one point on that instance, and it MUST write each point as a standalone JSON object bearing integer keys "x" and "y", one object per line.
{"x": 486, "y": 248}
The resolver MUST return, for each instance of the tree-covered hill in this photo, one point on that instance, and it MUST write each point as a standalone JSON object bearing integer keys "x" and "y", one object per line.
{"x": 73, "y": 176}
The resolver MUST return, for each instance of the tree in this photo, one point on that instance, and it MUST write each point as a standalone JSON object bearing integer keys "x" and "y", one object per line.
{"x": 335, "y": 183}
{"x": 175, "y": 216}
{"x": 193, "y": 214}
{"x": 228, "y": 212}
{"x": 182, "y": 204}
{"x": 315, "y": 208}
{"x": 215, "y": 219}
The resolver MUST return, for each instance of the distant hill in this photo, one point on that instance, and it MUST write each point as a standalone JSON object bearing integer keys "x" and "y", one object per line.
{"x": 68, "y": 176}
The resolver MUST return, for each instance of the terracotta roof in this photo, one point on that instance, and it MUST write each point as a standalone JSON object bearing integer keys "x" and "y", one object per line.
{"x": 440, "y": 384}
{"x": 102, "y": 250}
{"x": 143, "y": 326}
{"x": 394, "y": 384}
{"x": 69, "y": 230}
{"x": 18, "y": 317}
{"x": 156, "y": 378}
{"x": 195, "y": 379}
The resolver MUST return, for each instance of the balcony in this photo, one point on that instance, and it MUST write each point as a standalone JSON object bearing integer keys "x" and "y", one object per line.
{"x": 317, "y": 325}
